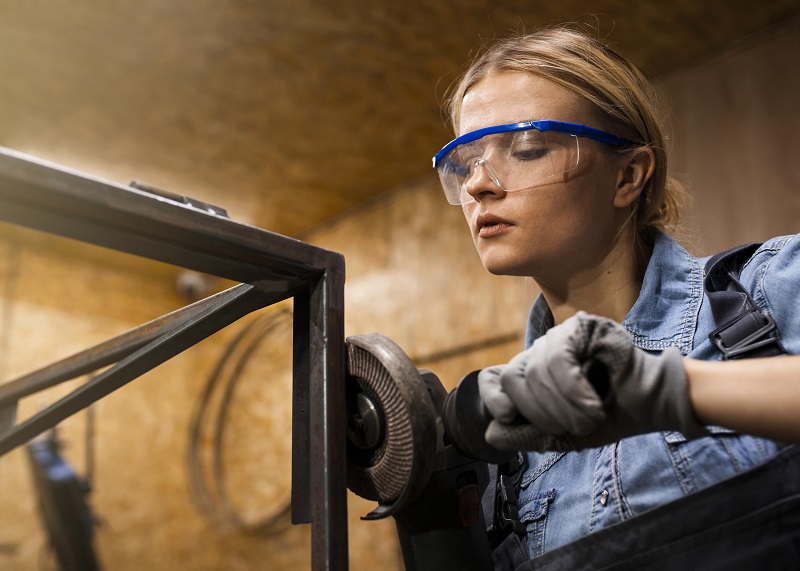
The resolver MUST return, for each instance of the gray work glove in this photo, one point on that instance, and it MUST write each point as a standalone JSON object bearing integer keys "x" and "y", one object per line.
{"x": 542, "y": 400}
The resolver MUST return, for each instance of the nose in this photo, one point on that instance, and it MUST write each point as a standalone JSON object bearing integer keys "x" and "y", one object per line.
{"x": 483, "y": 183}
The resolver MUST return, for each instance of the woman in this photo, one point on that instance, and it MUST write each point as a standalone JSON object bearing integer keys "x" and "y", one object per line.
{"x": 561, "y": 170}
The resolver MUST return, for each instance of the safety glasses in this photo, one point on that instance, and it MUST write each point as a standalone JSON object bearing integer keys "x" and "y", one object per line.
{"x": 517, "y": 156}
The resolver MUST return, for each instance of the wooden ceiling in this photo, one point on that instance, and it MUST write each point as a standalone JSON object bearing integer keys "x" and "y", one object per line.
{"x": 289, "y": 112}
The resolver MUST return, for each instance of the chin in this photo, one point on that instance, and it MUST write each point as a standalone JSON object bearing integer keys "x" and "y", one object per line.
{"x": 504, "y": 267}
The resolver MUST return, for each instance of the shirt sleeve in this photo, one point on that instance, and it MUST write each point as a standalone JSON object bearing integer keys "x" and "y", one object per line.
{"x": 773, "y": 274}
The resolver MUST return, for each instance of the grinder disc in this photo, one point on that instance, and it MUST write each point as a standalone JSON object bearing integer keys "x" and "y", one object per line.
{"x": 391, "y": 428}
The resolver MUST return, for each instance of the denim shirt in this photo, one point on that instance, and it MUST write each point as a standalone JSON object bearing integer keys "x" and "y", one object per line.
{"x": 565, "y": 496}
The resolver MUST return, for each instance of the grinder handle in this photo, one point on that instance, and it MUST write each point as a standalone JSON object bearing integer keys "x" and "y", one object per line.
{"x": 466, "y": 417}
{"x": 596, "y": 372}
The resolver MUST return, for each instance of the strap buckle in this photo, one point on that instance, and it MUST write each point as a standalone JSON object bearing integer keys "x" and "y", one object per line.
{"x": 724, "y": 337}
{"x": 506, "y": 511}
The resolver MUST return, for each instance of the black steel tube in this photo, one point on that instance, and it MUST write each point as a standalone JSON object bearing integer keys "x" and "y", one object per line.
{"x": 301, "y": 413}
{"x": 101, "y": 355}
{"x": 166, "y": 346}
{"x": 328, "y": 417}
{"x": 69, "y": 204}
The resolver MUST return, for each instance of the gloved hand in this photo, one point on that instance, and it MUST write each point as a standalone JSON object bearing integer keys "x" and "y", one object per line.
{"x": 542, "y": 400}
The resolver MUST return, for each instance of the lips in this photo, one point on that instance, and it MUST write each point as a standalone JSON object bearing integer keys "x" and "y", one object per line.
{"x": 489, "y": 225}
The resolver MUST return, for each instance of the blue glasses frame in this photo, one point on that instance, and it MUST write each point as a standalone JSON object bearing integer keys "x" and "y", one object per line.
{"x": 561, "y": 126}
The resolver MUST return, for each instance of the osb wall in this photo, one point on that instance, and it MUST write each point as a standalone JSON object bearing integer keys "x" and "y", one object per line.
{"x": 737, "y": 138}
{"x": 412, "y": 275}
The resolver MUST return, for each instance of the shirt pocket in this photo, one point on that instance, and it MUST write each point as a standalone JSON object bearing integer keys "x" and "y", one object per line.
{"x": 533, "y": 515}
{"x": 705, "y": 461}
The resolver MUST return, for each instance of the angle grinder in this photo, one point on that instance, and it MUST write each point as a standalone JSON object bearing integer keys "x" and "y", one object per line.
{"x": 421, "y": 453}
{"x": 401, "y": 453}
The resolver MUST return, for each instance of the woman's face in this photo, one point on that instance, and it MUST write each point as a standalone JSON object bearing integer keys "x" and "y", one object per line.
{"x": 563, "y": 225}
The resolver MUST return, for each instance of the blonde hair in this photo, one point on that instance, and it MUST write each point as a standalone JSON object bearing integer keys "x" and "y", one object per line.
{"x": 628, "y": 102}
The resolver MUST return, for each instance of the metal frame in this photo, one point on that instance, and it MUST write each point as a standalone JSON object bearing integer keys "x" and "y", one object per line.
{"x": 269, "y": 268}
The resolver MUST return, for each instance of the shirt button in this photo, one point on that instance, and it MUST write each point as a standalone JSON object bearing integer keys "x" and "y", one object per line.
{"x": 603, "y": 497}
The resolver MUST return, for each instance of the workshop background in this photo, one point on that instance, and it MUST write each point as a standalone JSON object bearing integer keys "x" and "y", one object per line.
{"x": 317, "y": 120}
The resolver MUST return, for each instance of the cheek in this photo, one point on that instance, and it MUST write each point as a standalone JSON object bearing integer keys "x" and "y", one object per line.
{"x": 562, "y": 220}
{"x": 468, "y": 209}
{"x": 586, "y": 199}
{"x": 555, "y": 209}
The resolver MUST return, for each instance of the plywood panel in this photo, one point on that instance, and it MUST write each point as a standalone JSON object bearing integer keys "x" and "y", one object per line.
{"x": 737, "y": 139}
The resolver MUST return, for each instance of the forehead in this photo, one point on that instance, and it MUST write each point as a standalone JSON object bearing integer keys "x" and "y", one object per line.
{"x": 510, "y": 97}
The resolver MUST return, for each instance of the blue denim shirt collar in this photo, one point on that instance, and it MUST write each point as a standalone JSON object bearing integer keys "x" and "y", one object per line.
{"x": 665, "y": 314}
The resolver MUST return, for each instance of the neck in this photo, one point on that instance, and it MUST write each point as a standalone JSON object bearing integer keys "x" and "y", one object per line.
{"x": 608, "y": 288}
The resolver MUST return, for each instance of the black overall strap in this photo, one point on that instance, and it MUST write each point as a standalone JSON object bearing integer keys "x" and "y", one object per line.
{"x": 506, "y": 532}
{"x": 743, "y": 330}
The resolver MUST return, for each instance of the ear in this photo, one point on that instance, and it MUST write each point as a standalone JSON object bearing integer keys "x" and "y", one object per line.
{"x": 636, "y": 170}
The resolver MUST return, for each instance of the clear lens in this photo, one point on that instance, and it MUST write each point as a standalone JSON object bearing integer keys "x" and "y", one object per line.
{"x": 514, "y": 161}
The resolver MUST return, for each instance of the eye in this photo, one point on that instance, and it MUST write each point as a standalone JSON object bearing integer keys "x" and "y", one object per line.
{"x": 530, "y": 154}
{"x": 529, "y": 146}
{"x": 462, "y": 160}
{"x": 458, "y": 169}
{"x": 468, "y": 153}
